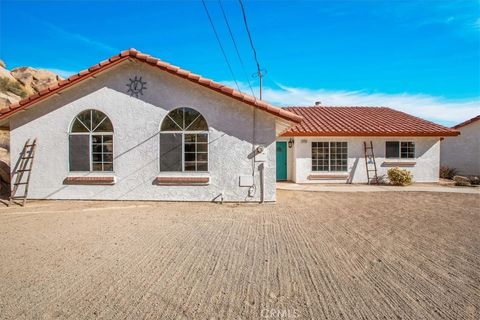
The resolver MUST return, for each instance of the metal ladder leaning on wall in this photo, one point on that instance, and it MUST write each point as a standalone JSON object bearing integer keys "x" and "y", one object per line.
{"x": 24, "y": 166}
{"x": 370, "y": 160}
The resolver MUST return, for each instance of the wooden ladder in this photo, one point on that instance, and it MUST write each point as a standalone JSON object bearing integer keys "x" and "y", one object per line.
{"x": 370, "y": 160}
{"x": 24, "y": 165}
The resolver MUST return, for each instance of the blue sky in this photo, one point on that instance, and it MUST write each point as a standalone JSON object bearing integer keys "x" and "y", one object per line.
{"x": 422, "y": 57}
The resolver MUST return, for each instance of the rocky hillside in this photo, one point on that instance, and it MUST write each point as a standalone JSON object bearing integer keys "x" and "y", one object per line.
{"x": 21, "y": 82}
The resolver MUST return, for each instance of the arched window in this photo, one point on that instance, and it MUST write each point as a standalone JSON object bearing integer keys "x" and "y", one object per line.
{"x": 91, "y": 142}
{"x": 184, "y": 141}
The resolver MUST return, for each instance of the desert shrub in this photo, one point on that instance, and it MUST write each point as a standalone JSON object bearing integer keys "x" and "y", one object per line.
{"x": 399, "y": 177}
{"x": 12, "y": 86}
{"x": 461, "y": 181}
{"x": 474, "y": 180}
{"x": 447, "y": 173}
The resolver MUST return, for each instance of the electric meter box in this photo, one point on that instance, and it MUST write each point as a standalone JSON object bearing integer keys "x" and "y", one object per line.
{"x": 261, "y": 154}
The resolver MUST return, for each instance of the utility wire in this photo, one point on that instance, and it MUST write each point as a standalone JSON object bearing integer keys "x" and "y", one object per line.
{"x": 220, "y": 44}
{"x": 259, "y": 71}
{"x": 236, "y": 48}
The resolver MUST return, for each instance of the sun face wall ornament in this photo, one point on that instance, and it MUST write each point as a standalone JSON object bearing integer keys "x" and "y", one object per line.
{"x": 136, "y": 86}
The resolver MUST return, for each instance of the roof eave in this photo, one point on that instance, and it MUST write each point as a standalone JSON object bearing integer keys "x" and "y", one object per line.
{"x": 466, "y": 123}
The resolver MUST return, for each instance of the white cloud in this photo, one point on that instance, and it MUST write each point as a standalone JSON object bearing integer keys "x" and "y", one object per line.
{"x": 434, "y": 108}
{"x": 76, "y": 37}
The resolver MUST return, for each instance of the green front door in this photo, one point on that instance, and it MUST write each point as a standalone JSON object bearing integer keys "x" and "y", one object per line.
{"x": 281, "y": 160}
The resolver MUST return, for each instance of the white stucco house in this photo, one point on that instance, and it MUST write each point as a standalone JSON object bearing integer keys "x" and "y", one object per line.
{"x": 136, "y": 128}
{"x": 463, "y": 152}
{"x": 328, "y": 145}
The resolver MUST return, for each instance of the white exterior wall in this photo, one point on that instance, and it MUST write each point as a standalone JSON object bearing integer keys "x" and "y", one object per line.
{"x": 463, "y": 152}
{"x": 425, "y": 169}
{"x": 136, "y": 139}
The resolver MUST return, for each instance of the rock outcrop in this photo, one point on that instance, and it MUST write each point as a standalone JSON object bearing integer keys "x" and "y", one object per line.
{"x": 34, "y": 80}
{"x": 22, "y": 82}
{"x": 8, "y": 98}
{"x": 4, "y": 73}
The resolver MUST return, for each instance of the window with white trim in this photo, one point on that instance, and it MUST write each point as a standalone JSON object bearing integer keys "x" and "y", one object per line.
{"x": 329, "y": 156}
{"x": 91, "y": 142}
{"x": 399, "y": 150}
{"x": 184, "y": 141}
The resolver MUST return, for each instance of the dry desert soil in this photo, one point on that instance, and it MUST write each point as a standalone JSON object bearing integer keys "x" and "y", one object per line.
{"x": 309, "y": 256}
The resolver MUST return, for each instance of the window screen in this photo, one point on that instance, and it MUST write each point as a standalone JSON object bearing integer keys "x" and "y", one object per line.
{"x": 329, "y": 156}
{"x": 170, "y": 152}
{"x": 392, "y": 149}
{"x": 91, "y": 142}
{"x": 338, "y": 156}
{"x": 320, "y": 156}
{"x": 102, "y": 152}
{"x": 196, "y": 152}
{"x": 407, "y": 150}
{"x": 79, "y": 153}
{"x": 400, "y": 150}
{"x": 184, "y": 141}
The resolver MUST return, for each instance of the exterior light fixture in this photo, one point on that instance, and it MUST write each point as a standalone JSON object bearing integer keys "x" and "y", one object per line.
{"x": 290, "y": 143}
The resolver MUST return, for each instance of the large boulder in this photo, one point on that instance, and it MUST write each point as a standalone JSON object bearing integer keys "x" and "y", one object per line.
{"x": 34, "y": 80}
{"x": 8, "y": 98}
{"x": 22, "y": 82}
{"x": 4, "y": 73}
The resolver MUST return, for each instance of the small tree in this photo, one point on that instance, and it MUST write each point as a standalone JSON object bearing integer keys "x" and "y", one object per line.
{"x": 399, "y": 177}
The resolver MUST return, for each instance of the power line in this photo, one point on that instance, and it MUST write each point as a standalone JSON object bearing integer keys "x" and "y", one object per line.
{"x": 259, "y": 71}
{"x": 236, "y": 47}
{"x": 220, "y": 44}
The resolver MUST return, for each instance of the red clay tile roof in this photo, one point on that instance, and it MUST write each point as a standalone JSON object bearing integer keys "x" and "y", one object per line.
{"x": 466, "y": 122}
{"x": 362, "y": 121}
{"x": 134, "y": 54}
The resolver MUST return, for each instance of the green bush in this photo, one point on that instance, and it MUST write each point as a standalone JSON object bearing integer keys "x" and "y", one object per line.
{"x": 399, "y": 177}
{"x": 447, "y": 173}
{"x": 12, "y": 86}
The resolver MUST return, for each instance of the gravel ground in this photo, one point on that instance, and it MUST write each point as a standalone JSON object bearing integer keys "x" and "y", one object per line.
{"x": 310, "y": 256}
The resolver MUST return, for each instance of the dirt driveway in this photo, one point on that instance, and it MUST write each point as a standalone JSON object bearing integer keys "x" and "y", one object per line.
{"x": 310, "y": 256}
